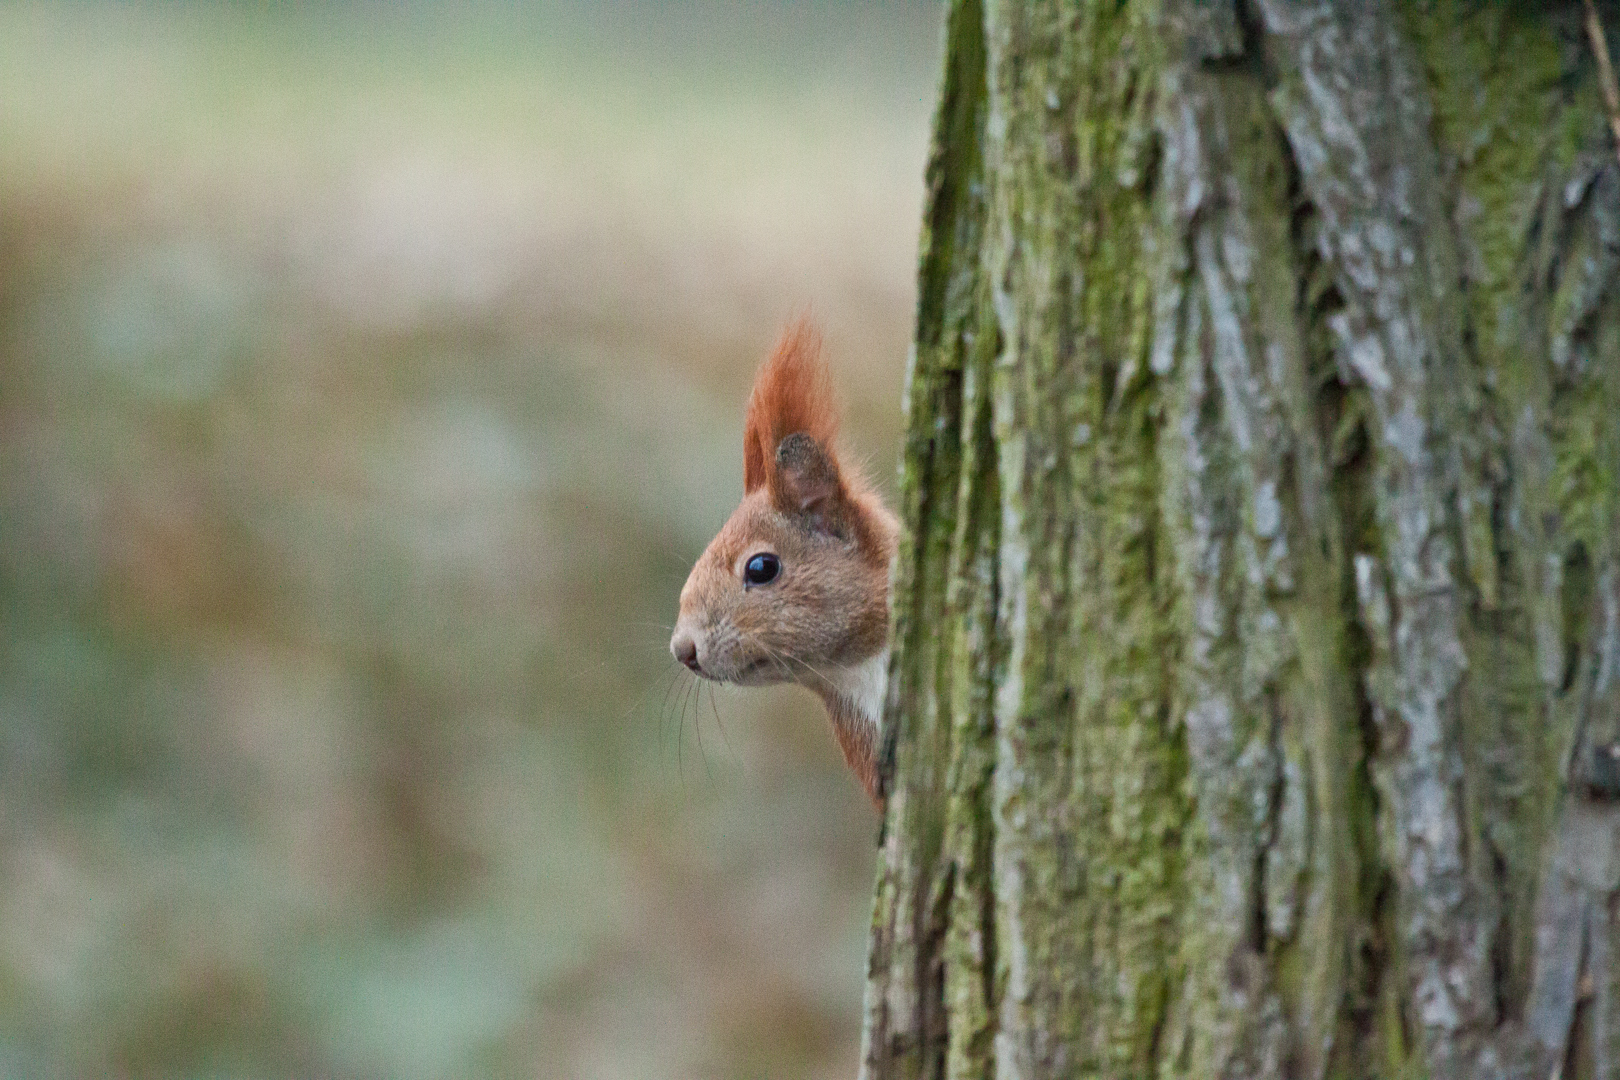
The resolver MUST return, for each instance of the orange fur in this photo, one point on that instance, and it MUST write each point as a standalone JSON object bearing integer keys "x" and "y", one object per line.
{"x": 792, "y": 393}
{"x": 823, "y": 621}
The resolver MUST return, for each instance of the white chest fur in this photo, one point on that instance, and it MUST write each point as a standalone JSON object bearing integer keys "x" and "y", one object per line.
{"x": 862, "y": 686}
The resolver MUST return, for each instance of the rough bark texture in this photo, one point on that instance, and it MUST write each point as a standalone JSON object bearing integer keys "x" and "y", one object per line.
{"x": 1255, "y": 707}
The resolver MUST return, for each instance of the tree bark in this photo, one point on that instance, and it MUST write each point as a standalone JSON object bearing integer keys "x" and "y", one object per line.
{"x": 1255, "y": 702}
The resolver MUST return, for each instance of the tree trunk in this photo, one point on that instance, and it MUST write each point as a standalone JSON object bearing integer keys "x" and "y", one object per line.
{"x": 1255, "y": 707}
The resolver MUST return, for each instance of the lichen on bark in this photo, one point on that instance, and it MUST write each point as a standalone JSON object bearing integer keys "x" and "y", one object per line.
{"x": 1258, "y": 627}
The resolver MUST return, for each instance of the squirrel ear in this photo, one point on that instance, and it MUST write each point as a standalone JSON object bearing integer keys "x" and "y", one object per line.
{"x": 792, "y": 394}
{"x": 806, "y": 484}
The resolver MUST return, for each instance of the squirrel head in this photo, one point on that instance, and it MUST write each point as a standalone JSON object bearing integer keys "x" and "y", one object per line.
{"x": 795, "y": 585}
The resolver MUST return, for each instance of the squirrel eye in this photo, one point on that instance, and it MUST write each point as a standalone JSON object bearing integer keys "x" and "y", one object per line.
{"x": 761, "y": 569}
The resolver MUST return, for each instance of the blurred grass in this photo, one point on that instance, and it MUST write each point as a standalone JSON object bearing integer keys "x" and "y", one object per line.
{"x": 369, "y": 377}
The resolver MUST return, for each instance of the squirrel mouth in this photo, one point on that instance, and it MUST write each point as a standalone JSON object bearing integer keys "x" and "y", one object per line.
{"x": 751, "y": 672}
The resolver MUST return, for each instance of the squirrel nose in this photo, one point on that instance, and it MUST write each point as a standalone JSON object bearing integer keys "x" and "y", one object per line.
{"x": 685, "y": 650}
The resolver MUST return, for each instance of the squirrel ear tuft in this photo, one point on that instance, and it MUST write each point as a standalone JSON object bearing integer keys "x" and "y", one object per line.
{"x": 792, "y": 395}
{"x": 805, "y": 484}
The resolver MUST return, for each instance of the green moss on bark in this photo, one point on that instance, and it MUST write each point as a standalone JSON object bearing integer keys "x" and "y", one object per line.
{"x": 1264, "y": 393}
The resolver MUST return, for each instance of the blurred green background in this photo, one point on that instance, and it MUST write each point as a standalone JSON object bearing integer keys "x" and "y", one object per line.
{"x": 370, "y": 376}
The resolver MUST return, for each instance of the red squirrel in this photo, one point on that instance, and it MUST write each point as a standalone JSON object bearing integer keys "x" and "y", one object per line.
{"x": 795, "y": 587}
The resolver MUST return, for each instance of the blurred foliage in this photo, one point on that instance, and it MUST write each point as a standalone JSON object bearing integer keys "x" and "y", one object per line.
{"x": 369, "y": 377}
